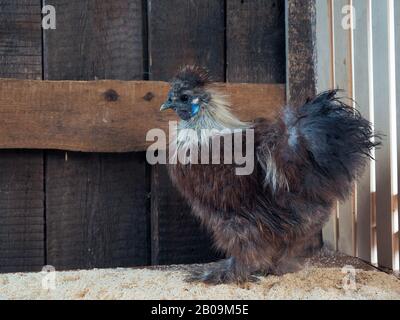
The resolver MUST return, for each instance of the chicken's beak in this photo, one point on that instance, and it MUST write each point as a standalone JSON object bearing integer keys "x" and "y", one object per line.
{"x": 166, "y": 106}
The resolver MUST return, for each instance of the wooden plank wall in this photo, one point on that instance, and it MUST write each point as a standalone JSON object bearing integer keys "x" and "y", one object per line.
{"x": 397, "y": 55}
{"x": 362, "y": 61}
{"x": 325, "y": 81}
{"x": 106, "y": 115}
{"x": 362, "y": 85}
{"x": 301, "y": 76}
{"x": 255, "y": 41}
{"x": 343, "y": 79}
{"x": 300, "y": 46}
{"x": 382, "y": 115}
{"x": 21, "y": 172}
{"x": 79, "y": 210}
{"x": 96, "y": 203}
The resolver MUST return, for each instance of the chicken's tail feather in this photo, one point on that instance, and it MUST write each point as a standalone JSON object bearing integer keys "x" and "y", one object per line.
{"x": 328, "y": 141}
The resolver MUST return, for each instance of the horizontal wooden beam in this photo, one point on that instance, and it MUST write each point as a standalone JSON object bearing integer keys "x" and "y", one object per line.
{"x": 105, "y": 116}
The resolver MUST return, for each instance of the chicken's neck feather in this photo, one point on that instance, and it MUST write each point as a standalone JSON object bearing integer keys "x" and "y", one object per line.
{"x": 214, "y": 118}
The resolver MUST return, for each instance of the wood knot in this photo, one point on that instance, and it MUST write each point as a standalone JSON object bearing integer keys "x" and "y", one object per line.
{"x": 111, "y": 95}
{"x": 149, "y": 96}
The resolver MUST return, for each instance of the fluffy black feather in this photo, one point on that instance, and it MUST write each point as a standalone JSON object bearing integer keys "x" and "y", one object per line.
{"x": 306, "y": 160}
{"x": 336, "y": 138}
{"x": 193, "y": 76}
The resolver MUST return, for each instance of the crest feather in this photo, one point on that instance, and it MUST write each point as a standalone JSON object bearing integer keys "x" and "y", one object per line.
{"x": 194, "y": 76}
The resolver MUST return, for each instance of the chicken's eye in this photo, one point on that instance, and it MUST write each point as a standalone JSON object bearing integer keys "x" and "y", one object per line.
{"x": 184, "y": 98}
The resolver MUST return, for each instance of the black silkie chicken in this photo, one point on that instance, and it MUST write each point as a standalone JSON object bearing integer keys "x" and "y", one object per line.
{"x": 305, "y": 160}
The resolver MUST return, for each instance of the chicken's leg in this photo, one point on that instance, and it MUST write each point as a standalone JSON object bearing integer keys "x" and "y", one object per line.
{"x": 223, "y": 272}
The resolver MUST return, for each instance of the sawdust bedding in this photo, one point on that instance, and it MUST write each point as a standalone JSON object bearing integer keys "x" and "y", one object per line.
{"x": 322, "y": 277}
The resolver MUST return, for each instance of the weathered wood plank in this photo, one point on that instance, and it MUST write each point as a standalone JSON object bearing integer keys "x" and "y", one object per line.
{"x": 397, "y": 57}
{"x": 325, "y": 80}
{"x": 20, "y": 39}
{"x": 21, "y": 211}
{"x": 362, "y": 85}
{"x": 95, "y": 203}
{"x": 344, "y": 81}
{"x": 301, "y": 78}
{"x": 185, "y": 32}
{"x": 324, "y": 45}
{"x": 79, "y": 116}
{"x": 256, "y": 41}
{"x": 380, "y": 40}
{"x": 181, "y": 32}
{"x": 96, "y": 210}
{"x": 21, "y": 172}
{"x": 300, "y": 47}
{"x": 95, "y": 39}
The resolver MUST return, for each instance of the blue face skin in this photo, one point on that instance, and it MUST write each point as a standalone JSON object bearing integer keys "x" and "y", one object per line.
{"x": 195, "y": 108}
{"x": 186, "y": 106}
